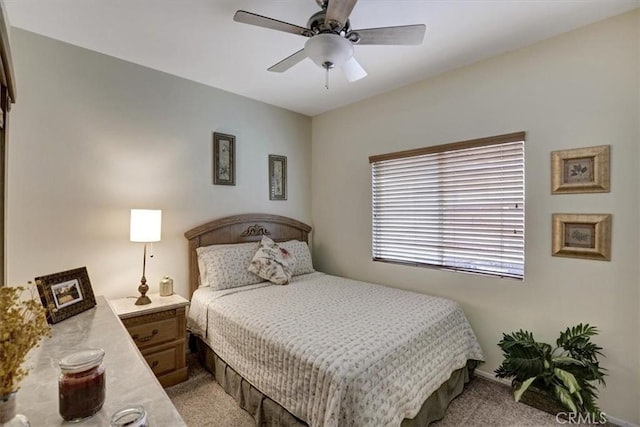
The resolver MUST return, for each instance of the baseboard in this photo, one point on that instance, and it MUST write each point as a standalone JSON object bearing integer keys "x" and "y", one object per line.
{"x": 491, "y": 376}
{"x": 620, "y": 422}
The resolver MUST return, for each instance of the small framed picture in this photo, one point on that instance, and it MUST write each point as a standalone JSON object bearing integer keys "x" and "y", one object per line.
{"x": 224, "y": 159}
{"x": 277, "y": 177}
{"x": 65, "y": 294}
{"x": 581, "y": 170}
{"x": 586, "y": 236}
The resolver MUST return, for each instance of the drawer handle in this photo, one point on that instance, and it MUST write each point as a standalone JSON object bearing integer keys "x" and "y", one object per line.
{"x": 154, "y": 364}
{"x": 147, "y": 338}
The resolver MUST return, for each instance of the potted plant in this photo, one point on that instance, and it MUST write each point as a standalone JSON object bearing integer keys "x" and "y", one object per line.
{"x": 22, "y": 324}
{"x": 565, "y": 374}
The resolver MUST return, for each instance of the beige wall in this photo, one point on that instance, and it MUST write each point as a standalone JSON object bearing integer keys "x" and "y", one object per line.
{"x": 93, "y": 136}
{"x": 577, "y": 90}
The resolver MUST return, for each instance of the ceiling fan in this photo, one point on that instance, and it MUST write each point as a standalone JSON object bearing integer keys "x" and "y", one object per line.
{"x": 331, "y": 38}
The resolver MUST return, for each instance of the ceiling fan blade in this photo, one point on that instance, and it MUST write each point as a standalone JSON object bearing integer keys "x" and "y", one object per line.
{"x": 402, "y": 35}
{"x": 288, "y": 62}
{"x": 266, "y": 22}
{"x": 353, "y": 70}
{"x": 338, "y": 11}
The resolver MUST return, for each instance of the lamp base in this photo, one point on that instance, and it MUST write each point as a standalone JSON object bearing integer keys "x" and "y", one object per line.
{"x": 143, "y": 300}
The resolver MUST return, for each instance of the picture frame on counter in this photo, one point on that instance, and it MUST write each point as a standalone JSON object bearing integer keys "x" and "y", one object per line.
{"x": 65, "y": 294}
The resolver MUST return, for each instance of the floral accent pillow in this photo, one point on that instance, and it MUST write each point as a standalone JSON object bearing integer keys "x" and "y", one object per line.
{"x": 272, "y": 262}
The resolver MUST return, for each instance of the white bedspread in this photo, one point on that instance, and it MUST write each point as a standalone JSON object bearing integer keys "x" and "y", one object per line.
{"x": 337, "y": 352}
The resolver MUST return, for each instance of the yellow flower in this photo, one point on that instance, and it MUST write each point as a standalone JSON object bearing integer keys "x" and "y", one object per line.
{"x": 23, "y": 323}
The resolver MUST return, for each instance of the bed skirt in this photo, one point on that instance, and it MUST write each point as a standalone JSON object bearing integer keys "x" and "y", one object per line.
{"x": 266, "y": 412}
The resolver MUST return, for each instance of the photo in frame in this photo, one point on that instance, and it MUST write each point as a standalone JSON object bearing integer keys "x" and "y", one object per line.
{"x": 224, "y": 159}
{"x": 65, "y": 294}
{"x": 586, "y": 236}
{"x": 277, "y": 177}
{"x": 581, "y": 170}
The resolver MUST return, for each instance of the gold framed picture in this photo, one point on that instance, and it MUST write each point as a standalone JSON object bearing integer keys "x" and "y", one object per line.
{"x": 580, "y": 170}
{"x": 586, "y": 236}
{"x": 65, "y": 294}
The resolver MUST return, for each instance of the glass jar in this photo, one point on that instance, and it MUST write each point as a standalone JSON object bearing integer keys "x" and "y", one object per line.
{"x": 81, "y": 385}
{"x": 131, "y": 416}
{"x": 8, "y": 416}
{"x": 166, "y": 286}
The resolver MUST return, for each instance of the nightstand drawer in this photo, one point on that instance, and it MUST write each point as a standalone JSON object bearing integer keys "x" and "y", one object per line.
{"x": 162, "y": 361}
{"x": 152, "y": 333}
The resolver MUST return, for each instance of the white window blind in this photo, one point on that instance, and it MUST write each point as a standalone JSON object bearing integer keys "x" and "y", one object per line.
{"x": 457, "y": 206}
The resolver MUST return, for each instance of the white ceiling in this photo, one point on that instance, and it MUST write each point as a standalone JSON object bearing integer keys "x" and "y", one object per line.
{"x": 198, "y": 39}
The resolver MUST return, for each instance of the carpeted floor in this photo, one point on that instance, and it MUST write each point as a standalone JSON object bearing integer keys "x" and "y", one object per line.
{"x": 202, "y": 402}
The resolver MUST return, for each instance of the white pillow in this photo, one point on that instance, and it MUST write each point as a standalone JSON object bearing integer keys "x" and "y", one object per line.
{"x": 225, "y": 266}
{"x": 272, "y": 262}
{"x": 300, "y": 250}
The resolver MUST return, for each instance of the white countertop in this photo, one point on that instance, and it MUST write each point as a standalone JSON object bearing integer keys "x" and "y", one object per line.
{"x": 125, "y": 307}
{"x": 129, "y": 380}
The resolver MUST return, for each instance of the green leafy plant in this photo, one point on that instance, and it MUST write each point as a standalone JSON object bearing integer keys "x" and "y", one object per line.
{"x": 566, "y": 373}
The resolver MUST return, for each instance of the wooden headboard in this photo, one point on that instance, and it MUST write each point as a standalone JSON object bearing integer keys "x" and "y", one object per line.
{"x": 240, "y": 229}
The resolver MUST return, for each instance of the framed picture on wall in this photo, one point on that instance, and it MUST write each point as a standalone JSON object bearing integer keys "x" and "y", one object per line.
{"x": 65, "y": 294}
{"x": 277, "y": 177}
{"x": 586, "y": 236}
{"x": 581, "y": 170}
{"x": 224, "y": 159}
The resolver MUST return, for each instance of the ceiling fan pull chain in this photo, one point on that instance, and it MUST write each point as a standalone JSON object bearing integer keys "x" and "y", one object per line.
{"x": 326, "y": 78}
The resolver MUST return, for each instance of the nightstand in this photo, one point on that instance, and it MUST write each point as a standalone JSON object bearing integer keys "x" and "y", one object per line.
{"x": 159, "y": 330}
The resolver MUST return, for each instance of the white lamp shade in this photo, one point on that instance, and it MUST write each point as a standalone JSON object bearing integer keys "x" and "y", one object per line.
{"x": 328, "y": 50}
{"x": 146, "y": 225}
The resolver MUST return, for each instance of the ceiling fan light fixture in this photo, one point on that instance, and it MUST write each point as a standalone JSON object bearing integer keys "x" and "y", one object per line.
{"x": 331, "y": 39}
{"x": 329, "y": 50}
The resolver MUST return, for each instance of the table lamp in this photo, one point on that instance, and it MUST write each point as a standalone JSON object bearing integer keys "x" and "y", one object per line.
{"x": 145, "y": 228}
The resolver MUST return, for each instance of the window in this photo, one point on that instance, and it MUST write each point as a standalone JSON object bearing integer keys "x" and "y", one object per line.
{"x": 457, "y": 206}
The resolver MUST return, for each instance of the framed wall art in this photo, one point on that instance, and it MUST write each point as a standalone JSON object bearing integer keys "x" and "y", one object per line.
{"x": 224, "y": 159}
{"x": 65, "y": 294}
{"x": 277, "y": 177}
{"x": 581, "y": 170}
{"x": 586, "y": 236}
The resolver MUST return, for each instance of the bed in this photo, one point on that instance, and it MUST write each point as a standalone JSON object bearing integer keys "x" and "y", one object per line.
{"x": 322, "y": 350}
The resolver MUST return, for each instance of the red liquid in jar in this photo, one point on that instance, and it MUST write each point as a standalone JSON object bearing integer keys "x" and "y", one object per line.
{"x": 81, "y": 394}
